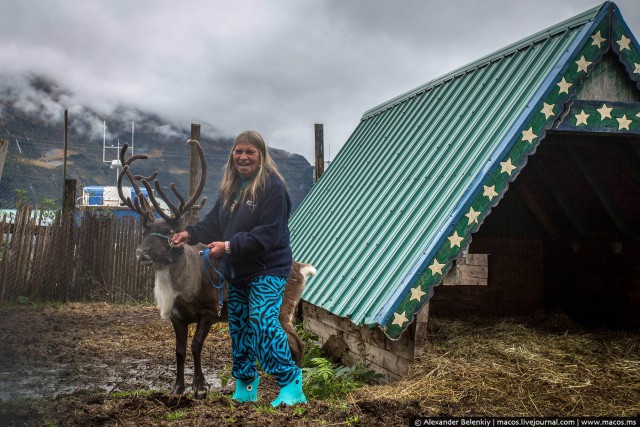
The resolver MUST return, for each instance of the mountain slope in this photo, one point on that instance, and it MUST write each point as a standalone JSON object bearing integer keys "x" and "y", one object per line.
{"x": 32, "y": 120}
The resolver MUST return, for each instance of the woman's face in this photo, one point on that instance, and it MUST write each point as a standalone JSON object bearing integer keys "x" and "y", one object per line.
{"x": 246, "y": 159}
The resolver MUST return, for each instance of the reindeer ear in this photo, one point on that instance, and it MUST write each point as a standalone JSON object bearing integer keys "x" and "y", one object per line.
{"x": 147, "y": 220}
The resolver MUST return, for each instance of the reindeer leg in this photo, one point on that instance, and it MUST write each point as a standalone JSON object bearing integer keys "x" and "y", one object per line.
{"x": 181, "y": 331}
{"x": 202, "y": 330}
{"x": 295, "y": 342}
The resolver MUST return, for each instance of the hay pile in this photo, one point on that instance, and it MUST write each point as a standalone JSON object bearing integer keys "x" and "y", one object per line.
{"x": 543, "y": 365}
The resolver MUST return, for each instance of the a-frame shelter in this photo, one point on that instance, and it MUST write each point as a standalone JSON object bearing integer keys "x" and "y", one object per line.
{"x": 532, "y": 151}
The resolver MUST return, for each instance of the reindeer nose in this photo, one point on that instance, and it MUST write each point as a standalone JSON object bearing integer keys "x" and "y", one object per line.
{"x": 142, "y": 253}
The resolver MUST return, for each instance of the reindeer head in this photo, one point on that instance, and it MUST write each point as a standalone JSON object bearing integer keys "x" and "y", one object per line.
{"x": 156, "y": 244}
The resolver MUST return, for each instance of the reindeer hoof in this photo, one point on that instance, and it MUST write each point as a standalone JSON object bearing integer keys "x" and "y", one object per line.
{"x": 200, "y": 393}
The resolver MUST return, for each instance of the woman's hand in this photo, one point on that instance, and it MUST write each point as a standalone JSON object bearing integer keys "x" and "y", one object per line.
{"x": 179, "y": 239}
{"x": 217, "y": 250}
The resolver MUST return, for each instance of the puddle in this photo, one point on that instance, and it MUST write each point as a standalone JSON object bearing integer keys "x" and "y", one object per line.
{"x": 131, "y": 374}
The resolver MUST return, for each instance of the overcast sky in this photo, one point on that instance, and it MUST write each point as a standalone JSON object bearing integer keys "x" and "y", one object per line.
{"x": 275, "y": 66}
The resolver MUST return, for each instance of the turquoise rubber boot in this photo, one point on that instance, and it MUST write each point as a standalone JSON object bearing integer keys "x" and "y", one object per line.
{"x": 291, "y": 393}
{"x": 246, "y": 392}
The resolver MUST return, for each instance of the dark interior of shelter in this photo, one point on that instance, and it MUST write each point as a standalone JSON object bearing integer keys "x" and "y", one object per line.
{"x": 565, "y": 236}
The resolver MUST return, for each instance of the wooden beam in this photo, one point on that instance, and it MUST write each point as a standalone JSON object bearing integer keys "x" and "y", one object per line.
{"x": 4, "y": 145}
{"x": 193, "y": 216}
{"x": 630, "y": 158}
{"x": 69, "y": 196}
{"x": 591, "y": 174}
{"x": 558, "y": 194}
{"x": 536, "y": 209}
{"x": 319, "y": 138}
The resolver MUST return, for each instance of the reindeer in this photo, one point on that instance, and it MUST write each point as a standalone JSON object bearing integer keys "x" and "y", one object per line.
{"x": 188, "y": 289}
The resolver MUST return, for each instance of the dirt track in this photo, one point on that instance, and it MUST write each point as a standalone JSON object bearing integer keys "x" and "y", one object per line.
{"x": 79, "y": 358}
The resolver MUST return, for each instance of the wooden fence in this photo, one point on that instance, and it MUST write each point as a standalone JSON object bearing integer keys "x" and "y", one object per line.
{"x": 87, "y": 256}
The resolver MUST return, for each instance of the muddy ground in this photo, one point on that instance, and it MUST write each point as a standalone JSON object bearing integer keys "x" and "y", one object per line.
{"x": 102, "y": 364}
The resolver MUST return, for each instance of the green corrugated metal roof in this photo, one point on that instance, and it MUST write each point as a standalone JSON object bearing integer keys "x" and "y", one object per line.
{"x": 413, "y": 168}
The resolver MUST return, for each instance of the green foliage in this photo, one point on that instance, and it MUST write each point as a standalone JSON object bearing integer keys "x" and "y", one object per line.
{"x": 352, "y": 421}
{"x": 324, "y": 380}
{"x": 132, "y": 393}
{"x": 21, "y": 196}
{"x": 299, "y": 410}
{"x": 176, "y": 415}
{"x": 264, "y": 408}
{"x": 48, "y": 205}
{"x": 312, "y": 349}
{"x": 226, "y": 376}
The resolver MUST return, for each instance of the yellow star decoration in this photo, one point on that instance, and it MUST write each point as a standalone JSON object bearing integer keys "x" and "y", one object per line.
{"x": 637, "y": 70}
{"x": 604, "y": 112}
{"x": 598, "y": 39}
{"x": 455, "y": 239}
{"x": 436, "y": 267}
{"x": 528, "y": 135}
{"x": 624, "y": 43}
{"x": 507, "y": 167}
{"x": 564, "y": 86}
{"x": 472, "y": 215}
{"x": 490, "y": 192}
{"x": 623, "y": 122}
{"x": 399, "y": 319}
{"x": 417, "y": 293}
{"x": 581, "y": 119}
{"x": 547, "y": 110}
{"x": 583, "y": 64}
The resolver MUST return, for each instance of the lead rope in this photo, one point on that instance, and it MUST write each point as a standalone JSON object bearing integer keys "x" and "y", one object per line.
{"x": 164, "y": 236}
{"x": 207, "y": 269}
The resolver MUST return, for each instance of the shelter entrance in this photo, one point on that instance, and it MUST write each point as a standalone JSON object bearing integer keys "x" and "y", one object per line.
{"x": 565, "y": 236}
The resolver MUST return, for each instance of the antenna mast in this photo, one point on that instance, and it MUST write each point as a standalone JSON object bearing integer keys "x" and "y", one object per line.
{"x": 114, "y": 163}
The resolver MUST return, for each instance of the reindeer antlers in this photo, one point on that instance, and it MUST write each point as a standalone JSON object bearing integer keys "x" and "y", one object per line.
{"x": 140, "y": 204}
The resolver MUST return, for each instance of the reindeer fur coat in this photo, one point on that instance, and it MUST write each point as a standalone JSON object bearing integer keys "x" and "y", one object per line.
{"x": 181, "y": 278}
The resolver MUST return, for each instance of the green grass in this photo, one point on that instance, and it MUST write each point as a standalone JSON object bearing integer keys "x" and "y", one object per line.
{"x": 176, "y": 415}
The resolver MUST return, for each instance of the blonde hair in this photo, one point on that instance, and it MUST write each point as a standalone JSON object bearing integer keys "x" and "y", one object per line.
{"x": 231, "y": 178}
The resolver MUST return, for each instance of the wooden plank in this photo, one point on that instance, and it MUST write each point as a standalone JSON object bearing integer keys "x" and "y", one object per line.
{"x": 420, "y": 334}
{"x": 475, "y": 259}
{"x": 365, "y": 344}
{"x": 375, "y": 358}
{"x": 467, "y": 275}
{"x": 474, "y": 271}
{"x": 608, "y": 80}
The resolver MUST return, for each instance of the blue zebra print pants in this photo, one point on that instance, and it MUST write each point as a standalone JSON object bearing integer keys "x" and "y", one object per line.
{"x": 256, "y": 332}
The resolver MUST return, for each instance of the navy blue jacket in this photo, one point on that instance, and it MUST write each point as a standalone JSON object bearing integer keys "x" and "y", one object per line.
{"x": 257, "y": 230}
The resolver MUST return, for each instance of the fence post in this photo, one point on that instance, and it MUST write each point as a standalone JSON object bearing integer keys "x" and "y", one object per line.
{"x": 4, "y": 145}
{"x": 193, "y": 216}
{"x": 67, "y": 221}
{"x": 319, "y": 131}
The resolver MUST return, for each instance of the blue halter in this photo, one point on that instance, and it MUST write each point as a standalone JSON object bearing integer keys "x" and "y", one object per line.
{"x": 207, "y": 269}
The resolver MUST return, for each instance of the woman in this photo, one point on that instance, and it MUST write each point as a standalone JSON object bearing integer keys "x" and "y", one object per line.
{"x": 248, "y": 228}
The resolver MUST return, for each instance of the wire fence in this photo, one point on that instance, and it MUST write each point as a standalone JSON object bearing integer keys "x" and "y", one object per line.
{"x": 71, "y": 256}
